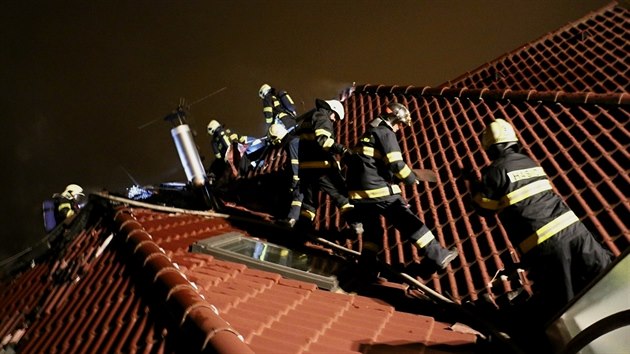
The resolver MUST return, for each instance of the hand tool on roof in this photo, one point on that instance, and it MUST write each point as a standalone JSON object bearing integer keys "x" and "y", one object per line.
{"x": 406, "y": 278}
{"x": 424, "y": 175}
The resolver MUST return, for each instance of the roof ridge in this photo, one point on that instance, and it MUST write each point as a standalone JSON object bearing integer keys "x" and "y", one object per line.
{"x": 619, "y": 99}
{"x": 531, "y": 43}
{"x": 191, "y": 308}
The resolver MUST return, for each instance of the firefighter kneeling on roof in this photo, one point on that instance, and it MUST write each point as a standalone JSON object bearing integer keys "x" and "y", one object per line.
{"x": 560, "y": 253}
{"x": 63, "y": 206}
{"x": 223, "y": 141}
{"x": 374, "y": 170}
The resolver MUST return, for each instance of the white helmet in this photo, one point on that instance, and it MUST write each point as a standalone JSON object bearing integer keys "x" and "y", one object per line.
{"x": 499, "y": 131}
{"x": 337, "y": 107}
{"x": 264, "y": 89}
{"x": 212, "y": 126}
{"x": 276, "y": 133}
{"x": 72, "y": 191}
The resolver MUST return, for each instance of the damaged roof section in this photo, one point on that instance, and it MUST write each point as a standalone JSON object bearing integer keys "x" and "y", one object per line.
{"x": 588, "y": 55}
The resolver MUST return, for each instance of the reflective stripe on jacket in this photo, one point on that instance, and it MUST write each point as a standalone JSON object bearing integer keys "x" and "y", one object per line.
{"x": 519, "y": 190}
{"x": 221, "y": 140}
{"x": 376, "y": 165}
{"x": 317, "y": 140}
{"x": 277, "y": 106}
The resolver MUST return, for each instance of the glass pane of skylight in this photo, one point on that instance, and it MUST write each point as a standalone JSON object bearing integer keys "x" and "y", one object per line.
{"x": 260, "y": 254}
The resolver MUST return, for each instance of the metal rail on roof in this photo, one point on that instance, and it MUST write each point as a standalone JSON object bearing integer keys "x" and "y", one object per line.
{"x": 160, "y": 207}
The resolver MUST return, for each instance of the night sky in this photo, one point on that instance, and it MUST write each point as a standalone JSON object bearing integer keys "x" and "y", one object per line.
{"x": 85, "y": 84}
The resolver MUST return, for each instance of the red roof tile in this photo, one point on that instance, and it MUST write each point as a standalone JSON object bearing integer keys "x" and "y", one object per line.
{"x": 582, "y": 146}
{"x": 588, "y": 55}
{"x": 581, "y": 139}
{"x": 145, "y": 292}
{"x": 137, "y": 296}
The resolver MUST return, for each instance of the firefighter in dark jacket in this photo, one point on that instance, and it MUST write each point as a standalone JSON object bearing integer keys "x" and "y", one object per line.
{"x": 279, "y": 136}
{"x": 68, "y": 202}
{"x": 319, "y": 168}
{"x": 63, "y": 206}
{"x": 278, "y": 107}
{"x": 560, "y": 253}
{"x": 223, "y": 140}
{"x": 374, "y": 172}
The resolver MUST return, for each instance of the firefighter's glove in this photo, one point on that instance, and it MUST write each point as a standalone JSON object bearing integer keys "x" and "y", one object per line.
{"x": 347, "y": 154}
{"x": 339, "y": 149}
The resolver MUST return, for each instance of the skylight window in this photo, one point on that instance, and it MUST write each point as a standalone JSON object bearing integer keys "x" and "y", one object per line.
{"x": 263, "y": 255}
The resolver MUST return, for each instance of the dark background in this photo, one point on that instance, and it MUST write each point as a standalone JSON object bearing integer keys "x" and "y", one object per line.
{"x": 85, "y": 84}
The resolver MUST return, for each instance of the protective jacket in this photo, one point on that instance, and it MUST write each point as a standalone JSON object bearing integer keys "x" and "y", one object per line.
{"x": 560, "y": 252}
{"x": 519, "y": 190}
{"x": 65, "y": 207}
{"x": 278, "y": 107}
{"x": 222, "y": 139}
{"x": 319, "y": 170}
{"x": 374, "y": 170}
{"x": 376, "y": 166}
{"x": 317, "y": 138}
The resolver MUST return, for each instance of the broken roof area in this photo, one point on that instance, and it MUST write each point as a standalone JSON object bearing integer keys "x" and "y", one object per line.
{"x": 588, "y": 55}
{"x": 127, "y": 283}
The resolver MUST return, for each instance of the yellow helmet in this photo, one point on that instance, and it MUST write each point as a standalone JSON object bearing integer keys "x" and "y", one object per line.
{"x": 264, "y": 89}
{"x": 499, "y": 131}
{"x": 72, "y": 191}
{"x": 276, "y": 133}
{"x": 212, "y": 126}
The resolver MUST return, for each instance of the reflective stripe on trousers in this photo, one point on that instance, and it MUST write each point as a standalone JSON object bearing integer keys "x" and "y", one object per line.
{"x": 548, "y": 230}
{"x": 375, "y": 193}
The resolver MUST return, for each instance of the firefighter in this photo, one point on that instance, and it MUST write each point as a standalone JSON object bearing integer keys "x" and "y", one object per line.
{"x": 222, "y": 140}
{"x": 561, "y": 254}
{"x": 278, "y": 107}
{"x": 374, "y": 171}
{"x": 319, "y": 168}
{"x": 279, "y": 136}
{"x": 68, "y": 202}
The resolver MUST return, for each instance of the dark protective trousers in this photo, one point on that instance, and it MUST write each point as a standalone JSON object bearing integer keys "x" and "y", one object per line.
{"x": 397, "y": 214}
{"x": 564, "y": 265}
{"x": 328, "y": 180}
